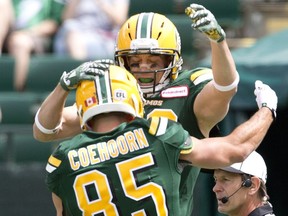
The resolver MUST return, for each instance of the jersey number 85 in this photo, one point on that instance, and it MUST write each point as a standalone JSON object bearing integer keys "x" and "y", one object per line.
{"x": 125, "y": 171}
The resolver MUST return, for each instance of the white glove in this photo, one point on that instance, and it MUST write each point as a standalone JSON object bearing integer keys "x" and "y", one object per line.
{"x": 204, "y": 21}
{"x": 266, "y": 97}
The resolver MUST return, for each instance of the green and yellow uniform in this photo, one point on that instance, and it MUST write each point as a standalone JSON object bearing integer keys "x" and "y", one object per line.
{"x": 132, "y": 170}
{"x": 176, "y": 102}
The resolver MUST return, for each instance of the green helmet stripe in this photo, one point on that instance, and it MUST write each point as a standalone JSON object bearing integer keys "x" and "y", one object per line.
{"x": 144, "y": 25}
{"x": 103, "y": 88}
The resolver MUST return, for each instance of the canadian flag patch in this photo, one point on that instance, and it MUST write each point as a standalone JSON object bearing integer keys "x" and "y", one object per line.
{"x": 90, "y": 101}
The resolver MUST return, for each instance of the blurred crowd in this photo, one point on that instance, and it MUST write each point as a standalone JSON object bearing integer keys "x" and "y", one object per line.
{"x": 81, "y": 29}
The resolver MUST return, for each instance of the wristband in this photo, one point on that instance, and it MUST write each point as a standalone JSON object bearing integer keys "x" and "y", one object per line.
{"x": 228, "y": 87}
{"x": 43, "y": 129}
{"x": 272, "y": 110}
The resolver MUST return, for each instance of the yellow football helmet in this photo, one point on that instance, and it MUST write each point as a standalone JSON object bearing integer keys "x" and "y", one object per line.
{"x": 116, "y": 91}
{"x": 150, "y": 33}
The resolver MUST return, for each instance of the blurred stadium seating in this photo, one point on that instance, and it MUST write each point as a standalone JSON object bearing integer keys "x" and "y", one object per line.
{"x": 17, "y": 143}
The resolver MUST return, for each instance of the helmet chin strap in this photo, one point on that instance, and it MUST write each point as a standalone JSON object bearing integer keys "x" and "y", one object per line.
{"x": 165, "y": 79}
{"x": 166, "y": 74}
{"x": 160, "y": 86}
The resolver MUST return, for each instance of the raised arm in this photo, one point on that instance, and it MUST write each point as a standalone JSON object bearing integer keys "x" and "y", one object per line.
{"x": 213, "y": 101}
{"x": 53, "y": 121}
{"x": 235, "y": 147}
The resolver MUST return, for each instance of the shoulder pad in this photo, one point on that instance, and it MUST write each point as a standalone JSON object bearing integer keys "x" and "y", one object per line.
{"x": 201, "y": 75}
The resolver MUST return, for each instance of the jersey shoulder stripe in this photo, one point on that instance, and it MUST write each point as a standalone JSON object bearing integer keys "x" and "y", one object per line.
{"x": 158, "y": 125}
{"x": 201, "y": 75}
{"x": 53, "y": 164}
{"x": 196, "y": 76}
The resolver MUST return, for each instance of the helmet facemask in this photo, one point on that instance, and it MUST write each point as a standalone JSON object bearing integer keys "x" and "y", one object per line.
{"x": 152, "y": 80}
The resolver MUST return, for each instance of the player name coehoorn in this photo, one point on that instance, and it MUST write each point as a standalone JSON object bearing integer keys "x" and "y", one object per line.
{"x": 96, "y": 153}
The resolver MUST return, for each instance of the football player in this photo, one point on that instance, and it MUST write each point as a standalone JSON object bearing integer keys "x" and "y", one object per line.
{"x": 123, "y": 164}
{"x": 149, "y": 46}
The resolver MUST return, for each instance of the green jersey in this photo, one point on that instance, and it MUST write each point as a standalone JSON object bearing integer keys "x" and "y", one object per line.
{"x": 132, "y": 170}
{"x": 176, "y": 102}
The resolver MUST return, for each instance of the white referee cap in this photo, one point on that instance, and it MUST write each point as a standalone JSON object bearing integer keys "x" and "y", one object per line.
{"x": 253, "y": 165}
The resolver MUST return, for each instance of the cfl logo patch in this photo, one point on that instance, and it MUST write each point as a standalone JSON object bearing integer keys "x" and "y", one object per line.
{"x": 120, "y": 94}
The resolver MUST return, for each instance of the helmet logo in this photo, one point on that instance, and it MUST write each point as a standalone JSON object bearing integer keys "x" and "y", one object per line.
{"x": 90, "y": 101}
{"x": 120, "y": 94}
